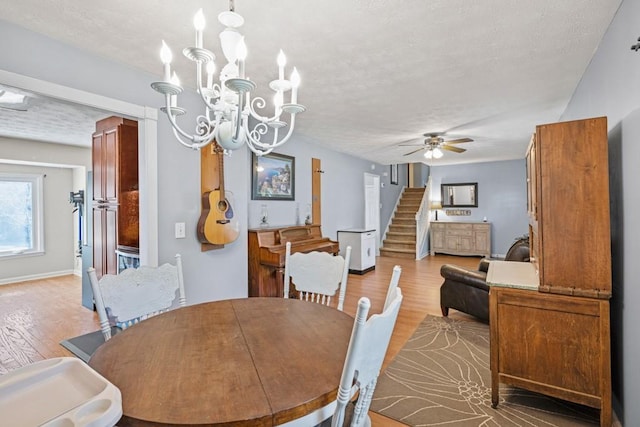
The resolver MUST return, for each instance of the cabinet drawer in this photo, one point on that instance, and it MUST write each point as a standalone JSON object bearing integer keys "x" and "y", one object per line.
{"x": 454, "y": 226}
{"x": 459, "y": 232}
{"x": 437, "y": 226}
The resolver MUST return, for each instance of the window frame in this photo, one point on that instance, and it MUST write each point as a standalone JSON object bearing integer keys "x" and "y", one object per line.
{"x": 37, "y": 208}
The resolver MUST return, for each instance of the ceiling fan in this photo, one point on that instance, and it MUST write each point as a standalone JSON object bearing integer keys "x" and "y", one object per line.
{"x": 435, "y": 143}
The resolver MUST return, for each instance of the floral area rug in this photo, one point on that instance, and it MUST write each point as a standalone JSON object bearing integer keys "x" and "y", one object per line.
{"x": 441, "y": 377}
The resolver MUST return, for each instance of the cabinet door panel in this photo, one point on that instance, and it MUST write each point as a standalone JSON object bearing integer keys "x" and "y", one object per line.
{"x": 466, "y": 243}
{"x": 481, "y": 240}
{"x": 98, "y": 172}
{"x": 110, "y": 240}
{"x": 98, "y": 241}
{"x": 438, "y": 239}
{"x": 109, "y": 163}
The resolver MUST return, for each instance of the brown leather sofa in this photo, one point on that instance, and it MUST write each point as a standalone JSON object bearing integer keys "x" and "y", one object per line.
{"x": 467, "y": 290}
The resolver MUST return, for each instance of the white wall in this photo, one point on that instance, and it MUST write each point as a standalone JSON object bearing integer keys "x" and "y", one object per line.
{"x": 611, "y": 87}
{"x": 61, "y": 163}
{"x": 216, "y": 274}
{"x": 58, "y": 258}
{"x": 502, "y": 197}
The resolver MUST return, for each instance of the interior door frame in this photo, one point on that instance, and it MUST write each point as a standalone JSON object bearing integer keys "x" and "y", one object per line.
{"x": 372, "y": 204}
{"x": 147, "y": 155}
{"x": 316, "y": 191}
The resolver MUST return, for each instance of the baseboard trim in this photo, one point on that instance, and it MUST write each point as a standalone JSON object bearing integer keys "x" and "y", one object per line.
{"x": 35, "y": 276}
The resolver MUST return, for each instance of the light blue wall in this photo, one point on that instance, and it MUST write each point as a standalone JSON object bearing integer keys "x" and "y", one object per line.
{"x": 342, "y": 186}
{"x": 611, "y": 87}
{"x": 502, "y": 197}
{"x": 216, "y": 274}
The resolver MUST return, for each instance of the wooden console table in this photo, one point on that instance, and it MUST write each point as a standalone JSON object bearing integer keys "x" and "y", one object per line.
{"x": 551, "y": 344}
{"x": 461, "y": 238}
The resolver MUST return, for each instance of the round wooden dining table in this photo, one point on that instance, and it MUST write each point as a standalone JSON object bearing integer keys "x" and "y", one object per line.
{"x": 253, "y": 361}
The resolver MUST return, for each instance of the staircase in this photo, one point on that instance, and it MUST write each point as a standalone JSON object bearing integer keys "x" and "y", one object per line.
{"x": 400, "y": 241}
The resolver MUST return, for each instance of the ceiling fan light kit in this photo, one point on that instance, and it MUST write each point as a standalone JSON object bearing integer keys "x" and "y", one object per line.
{"x": 435, "y": 143}
{"x": 228, "y": 105}
{"x": 433, "y": 153}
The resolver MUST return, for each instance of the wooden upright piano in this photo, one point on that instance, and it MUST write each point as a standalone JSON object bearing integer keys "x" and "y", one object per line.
{"x": 267, "y": 255}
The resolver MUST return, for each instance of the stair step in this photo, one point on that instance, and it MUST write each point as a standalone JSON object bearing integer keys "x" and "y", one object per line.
{"x": 405, "y": 216}
{"x": 402, "y": 237}
{"x": 412, "y": 201}
{"x": 398, "y": 228}
{"x": 404, "y": 221}
{"x": 398, "y": 253}
{"x": 399, "y": 244}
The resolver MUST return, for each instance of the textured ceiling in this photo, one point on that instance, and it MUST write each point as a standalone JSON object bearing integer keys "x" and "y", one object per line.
{"x": 375, "y": 73}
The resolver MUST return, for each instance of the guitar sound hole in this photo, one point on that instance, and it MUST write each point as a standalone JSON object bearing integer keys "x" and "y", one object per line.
{"x": 222, "y": 205}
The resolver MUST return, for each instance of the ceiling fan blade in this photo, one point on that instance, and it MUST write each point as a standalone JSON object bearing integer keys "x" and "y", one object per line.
{"x": 454, "y": 149}
{"x": 414, "y": 151}
{"x": 459, "y": 141}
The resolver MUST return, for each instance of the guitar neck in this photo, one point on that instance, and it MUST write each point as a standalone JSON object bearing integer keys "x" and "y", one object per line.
{"x": 220, "y": 154}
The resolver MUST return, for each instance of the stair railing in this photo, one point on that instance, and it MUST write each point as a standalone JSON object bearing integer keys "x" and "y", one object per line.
{"x": 423, "y": 223}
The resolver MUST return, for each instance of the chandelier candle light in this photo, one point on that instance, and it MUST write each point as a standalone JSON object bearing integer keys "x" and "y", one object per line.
{"x": 228, "y": 105}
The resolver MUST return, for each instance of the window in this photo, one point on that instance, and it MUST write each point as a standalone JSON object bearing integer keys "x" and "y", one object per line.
{"x": 21, "y": 216}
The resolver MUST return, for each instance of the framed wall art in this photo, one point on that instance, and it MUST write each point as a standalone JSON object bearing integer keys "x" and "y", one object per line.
{"x": 273, "y": 177}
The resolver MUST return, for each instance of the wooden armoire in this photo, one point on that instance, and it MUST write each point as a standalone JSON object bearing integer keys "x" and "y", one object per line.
{"x": 555, "y": 338}
{"x": 115, "y": 201}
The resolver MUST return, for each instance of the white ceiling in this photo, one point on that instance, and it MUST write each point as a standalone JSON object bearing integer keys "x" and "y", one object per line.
{"x": 375, "y": 73}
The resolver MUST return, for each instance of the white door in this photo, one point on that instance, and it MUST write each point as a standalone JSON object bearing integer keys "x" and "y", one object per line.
{"x": 372, "y": 205}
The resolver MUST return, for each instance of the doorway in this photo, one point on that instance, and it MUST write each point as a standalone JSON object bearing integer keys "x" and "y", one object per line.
{"x": 147, "y": 136}
{"x": 372, "y": 205}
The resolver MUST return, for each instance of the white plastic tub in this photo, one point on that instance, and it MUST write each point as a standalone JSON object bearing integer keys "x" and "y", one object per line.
{"x": 58, "y": 392}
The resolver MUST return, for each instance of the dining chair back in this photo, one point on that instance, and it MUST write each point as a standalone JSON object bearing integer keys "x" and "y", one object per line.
{"x": 136, "y": 294}
{"x": 317, "y": 275}
{"x": 367, "y": 348}
{"x": 393, "y": 284}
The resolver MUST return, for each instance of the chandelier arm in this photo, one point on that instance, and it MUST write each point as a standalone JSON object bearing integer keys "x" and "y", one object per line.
{"x": 201, "y": 92}
{"x": 239, "y": 116}
{"x": 275, "y": 144}
{"x": 181, "y": 141}
{"x": 198, "y": 141}
{"x": 261, "y": 103}
{"x": 259, "y": 152}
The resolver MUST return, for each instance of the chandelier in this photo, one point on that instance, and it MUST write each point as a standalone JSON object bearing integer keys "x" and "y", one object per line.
{"x": 229, "y": 108}
{"x": 433, "y": 153}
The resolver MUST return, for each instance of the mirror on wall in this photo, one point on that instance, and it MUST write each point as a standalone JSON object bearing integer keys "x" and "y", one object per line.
{"x": 460, "y": 195}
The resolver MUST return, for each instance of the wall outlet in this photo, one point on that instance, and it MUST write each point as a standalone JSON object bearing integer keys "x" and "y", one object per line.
{"x": 180, "y": 230}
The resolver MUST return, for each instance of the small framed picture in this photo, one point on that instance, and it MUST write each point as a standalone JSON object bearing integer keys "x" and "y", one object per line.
{"x": 394, "y": 174}
{"x": 273, "y": 177}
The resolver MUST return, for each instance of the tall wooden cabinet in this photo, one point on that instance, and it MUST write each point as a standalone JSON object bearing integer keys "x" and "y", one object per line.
{"x": 554, "y": 336}
{"x": 115, "y": 202}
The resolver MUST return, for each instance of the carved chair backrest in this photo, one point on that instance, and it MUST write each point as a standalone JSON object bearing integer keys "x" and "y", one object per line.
{"x": 136, "y": 294}
{"x": 367, "y": 348}
{"x": 393, "y": 284}
{"x": 317, "y": 275}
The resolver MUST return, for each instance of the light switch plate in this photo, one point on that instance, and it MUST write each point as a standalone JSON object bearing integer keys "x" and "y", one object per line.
{"x": 180, "y": 230}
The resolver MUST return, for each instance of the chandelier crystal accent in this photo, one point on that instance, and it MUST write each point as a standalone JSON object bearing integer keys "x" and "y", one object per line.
{"x": 229, "y": 108}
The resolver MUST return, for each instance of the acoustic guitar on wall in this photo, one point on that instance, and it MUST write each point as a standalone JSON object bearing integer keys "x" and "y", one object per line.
{"x": 217, "y": 224}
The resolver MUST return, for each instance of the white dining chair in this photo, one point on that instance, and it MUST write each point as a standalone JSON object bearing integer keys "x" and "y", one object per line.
{"x": 136, "y": 294}
{"x": 317, "y": 275}
{"x": 365, "y": 354}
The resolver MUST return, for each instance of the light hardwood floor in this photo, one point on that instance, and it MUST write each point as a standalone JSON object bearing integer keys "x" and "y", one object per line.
{"x": 35, "y": 316}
